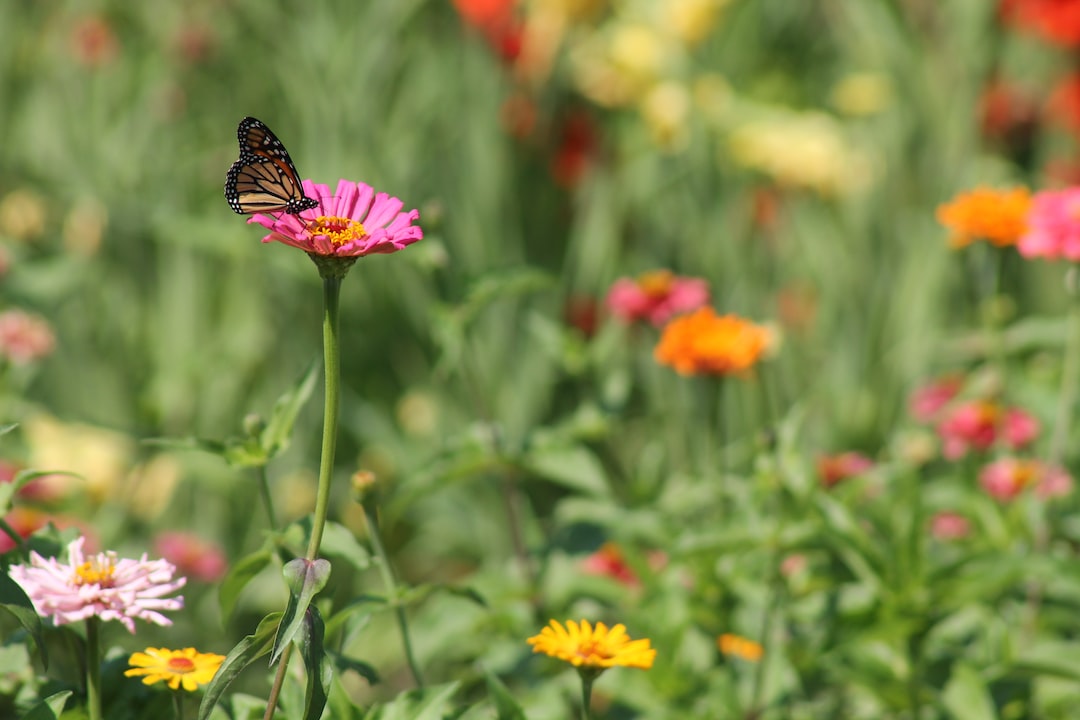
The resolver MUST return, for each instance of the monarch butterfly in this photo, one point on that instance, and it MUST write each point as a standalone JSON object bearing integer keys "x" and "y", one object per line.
{"x": 264, "y": 179}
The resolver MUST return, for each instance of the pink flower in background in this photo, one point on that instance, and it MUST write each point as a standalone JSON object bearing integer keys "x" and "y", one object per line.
{"x": 1006, "y": 478}
{"x": 353, "y": 222}
{"x": 1053, "y": 225}
{"x": 26, "y": 521}
{"x": 980, "y": 424}
{"x": 609, "y": 561}
{"x": 24, "y": 338}
{"x": 926, "y": 403}
{"x": 656, "y": 297}
{"x": 101, "y": 586}
{"x": 834, "y": 468}
{"x": 193, "y": 556}
{"x": 949, "y": 526}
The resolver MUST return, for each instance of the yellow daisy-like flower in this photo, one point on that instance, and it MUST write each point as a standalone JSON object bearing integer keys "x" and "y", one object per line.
{"x": 188, "y": 667}
{"x": 737, "y": 646}
{"x": 997, "y": 216}
{"x": 599, "y": 648}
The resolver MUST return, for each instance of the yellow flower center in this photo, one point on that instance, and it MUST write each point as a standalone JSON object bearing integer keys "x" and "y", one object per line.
{"x": 591, "y": 650}
{"x": 94, "y": 573}
{"x": 1025, "y": 473}
{"x": 340, "y": 230}
{"x": 181, "y": 665}
{"x": 656, "y": 284}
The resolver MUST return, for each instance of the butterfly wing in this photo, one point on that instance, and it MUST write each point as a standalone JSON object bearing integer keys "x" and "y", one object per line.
{"x": 264, "y": 179}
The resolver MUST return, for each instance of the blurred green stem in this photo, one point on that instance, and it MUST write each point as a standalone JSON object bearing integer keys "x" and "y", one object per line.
{"x": 390, "y": 582}
{"x": 93, "y": 668}
{"x": 332, "y": 364}
{"x": 178, "y": 704}
{"x": 1070, "y": 369}
{"x": 268, "y": 500}
{"x": 587, "y": 679}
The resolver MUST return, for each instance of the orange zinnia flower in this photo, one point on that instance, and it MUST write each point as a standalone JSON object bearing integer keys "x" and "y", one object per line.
{"x": 737, "y": 646}
{"x": 704, "y": 343}
{"x": 983, "y": 213}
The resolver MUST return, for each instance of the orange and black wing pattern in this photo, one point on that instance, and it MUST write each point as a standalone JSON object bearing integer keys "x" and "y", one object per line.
{"x": 264, "y": 179}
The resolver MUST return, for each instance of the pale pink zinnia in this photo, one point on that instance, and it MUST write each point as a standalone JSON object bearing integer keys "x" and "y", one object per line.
{"x": 351, "y": 222}
{"x": 99, "y": 585}
{"x": 656, "y": 297}
{"x": 1053, "y": 225}
{"x": 1006, "y": 478}
{"x": 980, "y": 424}
{"x": 947, "y": 525}
{"x": 24, "y": 338}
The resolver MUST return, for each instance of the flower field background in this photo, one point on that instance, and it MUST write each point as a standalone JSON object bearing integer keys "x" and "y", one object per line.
{"x": 734, "y": 376}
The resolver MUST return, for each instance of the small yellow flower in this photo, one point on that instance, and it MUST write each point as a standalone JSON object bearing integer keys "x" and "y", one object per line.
{"x": 599, "y": 648}
{"x": 736, "y": 646}
{"x": 187, "y": 667}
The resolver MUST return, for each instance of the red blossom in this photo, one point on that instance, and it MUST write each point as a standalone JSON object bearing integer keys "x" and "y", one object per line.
{"x": 832, "y": 469}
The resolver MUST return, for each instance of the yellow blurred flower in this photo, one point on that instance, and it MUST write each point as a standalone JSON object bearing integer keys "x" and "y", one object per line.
{"x": 599, "y": 648}
{"x": 418, "y": 413}
{"x": 666, "y": 108}
{"x": 736, "y": 646}
{"x": 638, "y": 49}
{"x": 806, "y": 150}
{"x": 152, "y": 485}
{"x": 294, "y": 494}
{"x": 691, "y": 21}
{"x": 187, "y": 668}
{"x": 100, "y": 457}
{"x": 997, "y": 216}
{"x": 713, "y": 96}
{"x": 84, "y": 227}
{"x": 862, "y": 94}
{"x": 22, "y": 215}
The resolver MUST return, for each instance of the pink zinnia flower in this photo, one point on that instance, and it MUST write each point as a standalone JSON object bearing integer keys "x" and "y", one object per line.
{"x": 1006, "y": 478}
{"x": 193, "y": 556}
{"x": 656, "y": 297}
{"x": 949, "y": 526}
{"x": 24, "y": 338}
{"x": 99, "y": 586}
{"x": 1053, "y": 225}
{"x": 834, "y": 468}
{"x": 980, "y": 424}
{"x": 353, "y": 222}
{"x": 927, "y": 401}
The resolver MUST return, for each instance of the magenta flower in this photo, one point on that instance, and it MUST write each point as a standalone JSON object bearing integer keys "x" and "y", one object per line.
{"x": 1053, "y": 225}
{"x": 192, "y": 555}
{"x": 1006, "y": 478}
{"x": 929, "y": 400}
{"x": 353, "y": 222}
{"x": 99, "y": 586}
{"x": 980, "y": 424}
{"x": 656, "y": 297}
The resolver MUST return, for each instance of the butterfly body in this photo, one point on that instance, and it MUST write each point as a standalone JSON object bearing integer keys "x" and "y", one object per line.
{"x": 263, "y": 179}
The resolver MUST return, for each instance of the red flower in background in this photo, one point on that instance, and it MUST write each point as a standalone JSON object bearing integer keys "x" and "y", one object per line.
{"x": 609, "y": 561}
{"x": 1006, "y": 478}
{"x": 1057, "y": 21}
{"x": 927, "y": 402}
{"x": 193, "y": 556}
{"x": 834, "y": 468}
{"x": 656, "y": 297}
{"x": 1063, "y": 106}
{"x": 576, "y": 147}
{"x": 497, "y": 21}
{"x": 947, "y": 525}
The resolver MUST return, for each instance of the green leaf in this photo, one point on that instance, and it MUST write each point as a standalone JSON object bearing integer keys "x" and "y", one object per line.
{"x": 14, "y": 599}
{"x": 427, "y": 704}
{"x": 343, "y": 663}
{"x": 572, "y": 467}
{"x": 305, "y": 578}
{"x": 339, "y": 541}
{"x": 5, "y": 429}
{"x": 966, "y": 696}
{"x": 247, "y": 651}
{"x": 320, "y": 673}
{"x": 50, "y": 708}
{"x": 8, "y": 490}
{"x": 275, "y": 437}
{"x": 363, "y": 606}
{"x": 239, "y": 576}
{"x": 506, "y": 706}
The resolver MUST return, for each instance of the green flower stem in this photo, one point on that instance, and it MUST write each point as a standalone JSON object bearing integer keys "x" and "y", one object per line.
{"x": 93, "y": 669}
{"x": 1070, "y": 370}
{"x": 332, "y": 360}
{"x": 587, "y": 679}
{"x": 390, "y": 582}
{"x": 268, "y": 500}
{"x": 178, "y": 704}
